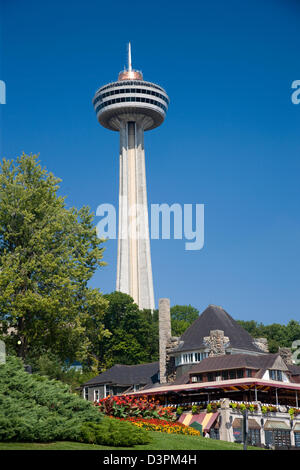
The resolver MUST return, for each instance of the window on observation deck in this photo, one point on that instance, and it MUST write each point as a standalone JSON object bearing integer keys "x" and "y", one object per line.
{"x": 133, "y": 99}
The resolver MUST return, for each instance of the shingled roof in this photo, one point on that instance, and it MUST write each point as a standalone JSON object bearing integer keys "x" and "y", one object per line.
{"x": 140, "y": 374}
{"x": 294, "y": 369}
{"x": 235, "y": 361}
{"x": 216, "y": 318}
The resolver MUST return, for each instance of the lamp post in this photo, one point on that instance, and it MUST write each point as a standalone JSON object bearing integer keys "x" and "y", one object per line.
{"x": 245, "y": 428}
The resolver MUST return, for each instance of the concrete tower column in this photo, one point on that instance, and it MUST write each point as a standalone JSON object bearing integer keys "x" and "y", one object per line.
{"x": 134, "y": 270}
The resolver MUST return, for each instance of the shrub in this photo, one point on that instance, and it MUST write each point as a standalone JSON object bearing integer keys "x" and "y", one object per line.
{"x": 112, "y": 432}
{"x": 179, "y": 411}
{"x": 212, "y": 407}
{"x": 34, "y": 408}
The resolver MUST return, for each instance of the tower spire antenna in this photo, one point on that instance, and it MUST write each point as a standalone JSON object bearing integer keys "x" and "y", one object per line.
{"x": 129, "y": 57}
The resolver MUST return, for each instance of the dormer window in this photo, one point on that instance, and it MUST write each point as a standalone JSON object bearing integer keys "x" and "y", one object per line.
{"x": 275, "y": 375}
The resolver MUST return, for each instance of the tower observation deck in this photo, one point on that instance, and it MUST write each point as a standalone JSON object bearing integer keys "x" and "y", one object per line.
{"x": 132, "y": 106}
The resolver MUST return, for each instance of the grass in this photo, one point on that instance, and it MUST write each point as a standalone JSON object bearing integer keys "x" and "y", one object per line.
{"x": 160, "y": 441}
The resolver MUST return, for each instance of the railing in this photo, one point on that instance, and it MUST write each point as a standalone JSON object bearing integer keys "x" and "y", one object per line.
{"x": 239, "y": 407}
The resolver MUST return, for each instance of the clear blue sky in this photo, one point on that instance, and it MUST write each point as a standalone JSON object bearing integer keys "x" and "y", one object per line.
{"x": 231, "y": 139}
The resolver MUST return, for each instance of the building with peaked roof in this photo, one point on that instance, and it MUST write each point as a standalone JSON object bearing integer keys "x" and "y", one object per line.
{"x": 190, "y": 349}
{"x": 121, "y": 379}
{"x": 216, "y": 318}
{"x": 214, "y": 332}
{"x": 213, "y": 395}
{"x": 218, "y": 371}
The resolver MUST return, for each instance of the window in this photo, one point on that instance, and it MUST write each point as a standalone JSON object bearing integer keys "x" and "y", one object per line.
{"x": 240, "y": 373}
{"x": 210, "y": 377}
{"x": 232, "y": 374}
{"x": 282, "y": 438}
{"x": 248, "y": 372}
{"x": 272, "y": 374}
{"x": 134, "y": 99}
{"x": 278, "y": 437}
{"x": 199, "y": 356}
{"x": 86, "y": 393}
{"x": 214, "y": 433}
{"x": 279, "y": 375}
{"x": 225, "y": 375}
{"x": 237, "y": 434}
{"x": 254, "y": 437}
{"x": 196, "y": 378}
{"x": 96, "y": 395}
{"x": 275, "y": 375}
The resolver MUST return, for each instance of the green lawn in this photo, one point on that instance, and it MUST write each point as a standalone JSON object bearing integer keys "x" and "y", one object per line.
{"x": 160, "y": 441}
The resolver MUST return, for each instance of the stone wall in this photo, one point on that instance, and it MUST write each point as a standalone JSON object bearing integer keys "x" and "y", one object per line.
{"x": 164, "y": 322}
{"x": 216, "y": 342}
{"x": 286, "y": 355}
{"x": 173, "y": 343}
{"x": 262, "y": 344}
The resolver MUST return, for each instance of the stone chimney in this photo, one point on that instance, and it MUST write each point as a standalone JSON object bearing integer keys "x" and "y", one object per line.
{"x": 286, "y": 354}
{"x": 216, "y": 342}
{"x": 164, "y": 336}
{"x": 262, "y": 344}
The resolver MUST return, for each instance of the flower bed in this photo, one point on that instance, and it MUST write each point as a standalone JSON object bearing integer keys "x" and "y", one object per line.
{"x": 269, "y": 409}
{"x": 126, "y": 406}
{"x": 161, "y": 425}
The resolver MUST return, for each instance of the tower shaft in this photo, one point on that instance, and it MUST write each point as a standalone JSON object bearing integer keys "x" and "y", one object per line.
{"x": 134, "y": 270}
{"x": 131, "y": 106}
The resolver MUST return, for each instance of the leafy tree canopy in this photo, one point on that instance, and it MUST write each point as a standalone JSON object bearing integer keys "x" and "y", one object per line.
{"x": 48, "y": 253}
{"x": 277, "y": 335}
{"x": 134, "y": 333}
{"x": 182, "y": 316}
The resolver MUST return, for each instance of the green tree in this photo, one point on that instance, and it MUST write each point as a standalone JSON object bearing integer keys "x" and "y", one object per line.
{"x": 182, "y": 316}
{"x": 48, "y": 253}
{"x": 134, "y": 333}
{"x": 277, "y": 335}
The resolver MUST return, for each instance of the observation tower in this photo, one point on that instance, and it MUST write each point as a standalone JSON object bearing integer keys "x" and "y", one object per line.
{"x": 131, "y": 106}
